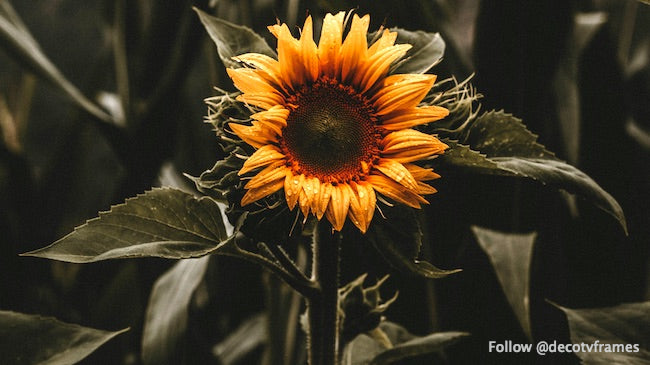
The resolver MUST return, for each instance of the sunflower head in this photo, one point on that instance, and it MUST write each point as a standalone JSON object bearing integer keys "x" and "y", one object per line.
{"x": 332, "y": 128}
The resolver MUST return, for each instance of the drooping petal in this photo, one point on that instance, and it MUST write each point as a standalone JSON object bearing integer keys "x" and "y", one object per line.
{"x": 293, "y": 187}
{"x": 255, "y": 135}
{"x": 420, "y": 173}
{"x": 269, "y": 67}
{"x": 324, "y": 197}
{"x": 397, "y": 172}
{"x": 270, "y": 175}
{"x": 409, "y": 145}
{"x": 395, "y": 191}
{"x": 253, "y": 195}
{"x": 309, "y": 195}
{"x": 402, "y": 91}
{"x": 337, "y": 210}
{"x": 274, "y": 118}
{"x": 329, "y": 45}
{"x": 264, "y": 156}
{"x": 250, "y": 80}
{"x": 403, "y": 119}
{"x": 362, "y": 205}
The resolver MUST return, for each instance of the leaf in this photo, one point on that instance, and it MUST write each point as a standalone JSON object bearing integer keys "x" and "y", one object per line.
{"x": 163, "y": 222}
{"x": 499, "y": 134}
{"x": 511, "y": 256}
{"x": 625, "y": 324}
{"x": 365, "y": 350}
{"x": 19, "y": 44}
{"x": 561, "y": 175}
{"x": 427, "y": 51}
{"x": 232, "y": 39}
{"x": 500, "y": 144}
{"x": 398, "y": 239}
{"x": 35, "y": 340}
{"x": 247, "y": 337}
{"x": 463, "y": 157}
{"x": 168, "y": 310}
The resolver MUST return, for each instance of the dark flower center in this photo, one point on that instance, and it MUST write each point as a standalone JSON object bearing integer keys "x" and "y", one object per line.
{"x": 330, "y": 132}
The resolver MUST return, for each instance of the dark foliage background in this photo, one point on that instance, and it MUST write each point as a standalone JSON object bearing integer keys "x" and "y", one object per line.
{"x": 576, "y": 72}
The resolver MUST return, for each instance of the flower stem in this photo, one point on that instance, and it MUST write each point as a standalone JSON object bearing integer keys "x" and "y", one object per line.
{"x": 322, "y": 307}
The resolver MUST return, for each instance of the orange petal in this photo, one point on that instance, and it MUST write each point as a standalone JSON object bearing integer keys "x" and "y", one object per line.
{"x": 250, "y": 80}
{"x": 420, "y": 173}
{"x": 402, "y": 92}
{"x": 377, "y": 66}
{"x": 309, "y": 195}
{"x": 275, "y": 118}
{"x": 309, "y": 51}
{"x": 289, "y": 56}
{"x": 337, "y": 210}
{"x": 324, "y": 196}
{"x": 402, "y": 119}
{"x": 355, "y": 47}
{"x": 255, "y": 135}
{"x": 386, "y": 40}
{"x": 269, "y": 175}
{"x": 397, "y": 172}
{"x": 425, "y": 189}
{"x": 330, "y": 44}
{"x": 293, "y": 187}
{"x": 256, "y": 194}
{"x": 362, "y": 205}
{"x": 264, "y": 156}
{"x": 262, "y": 100}
{"x": 395, "y": 191}
{"x": 269, "y": 67}
{"x": 409, "y": 145}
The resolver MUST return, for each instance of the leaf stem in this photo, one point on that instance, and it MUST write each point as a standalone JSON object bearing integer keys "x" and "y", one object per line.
{"x": 322, "y": 308}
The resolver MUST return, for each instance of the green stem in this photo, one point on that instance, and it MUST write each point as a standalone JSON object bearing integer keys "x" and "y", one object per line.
{"x": 322, "y": 307}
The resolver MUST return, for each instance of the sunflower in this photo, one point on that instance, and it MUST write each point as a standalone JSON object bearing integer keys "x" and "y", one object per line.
{"x": 334, "y": 128}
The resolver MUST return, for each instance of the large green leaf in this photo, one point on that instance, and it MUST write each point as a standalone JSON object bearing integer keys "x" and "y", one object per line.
{"x": 232, "y": 39}
{"x": 168, "y": 311}
{"x": 498, "y": 143}
{"x": 427, "y": 51}
{"x": 368, "y": 350}
{"x": 20, "y": 45}
{"x": 163, "y": 222}
{"x": 398, "y": 239}
{"x": 511, "y": 255}
{"x": 561, "y": 175}
{"x": 627, "y": 325}
{"x": 35, "y": 340}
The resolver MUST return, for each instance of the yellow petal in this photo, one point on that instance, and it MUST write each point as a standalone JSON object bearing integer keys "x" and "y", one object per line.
{"x": 262, "y": 100}
{"x": 270, "y": 175}
{"x": 255, "y": 135}
{"x": 420, "y": 173}
{"x": 337, "y": 210}
{"x": 275, "y": 118}
{"x": 293, "y": 187}
{"x": 397, "y": 172}
{"x": 402, "y": 92}
{"x": 309, "y": 195}
{"x": 386, "y": 40}
{"x": 377, "y": 66}
{"x": 269, "y": 67}
{"x": 264, "y": 156}
{"x": 330, "y": 44}
{"x": 324, "y": 196}
{"x": 309, "y": 51}
{"x": 402, "y": 119}
{"x": 256, "y": 194}
{"x": 395, "y": 191}
{"x": 362, "y": 205}
{"x": 409, "y": 145}
{"x": 355, "y": 47}
{"x": 250, "y": 80}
